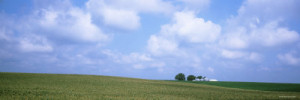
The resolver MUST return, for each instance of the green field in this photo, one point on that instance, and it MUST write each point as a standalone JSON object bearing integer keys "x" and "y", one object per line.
{"x": 85, "y": 87}
{"x": 284, "y": 87}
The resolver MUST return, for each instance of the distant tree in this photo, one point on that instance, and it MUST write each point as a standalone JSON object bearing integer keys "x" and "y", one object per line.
{"x": 203, "y": 78}
{"x": 191, "y": 77}
{"x": 180, "y": 77}
{"x": 199, "y": 77}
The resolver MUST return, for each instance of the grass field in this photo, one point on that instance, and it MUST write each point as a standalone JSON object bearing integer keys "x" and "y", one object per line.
{"x": 284, "y": 87}
{"x": 60, "y": 86}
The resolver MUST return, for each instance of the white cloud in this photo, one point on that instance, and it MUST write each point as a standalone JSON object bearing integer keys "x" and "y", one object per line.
{"x": 232, "y": 54}
{"x": 259, "y": 23}
{"x": 161, "y": 46}
{"x": 235, "y": 42}
{"x": 123, "y": 13}
{"x": 212, "y": 80}
{"x": 270, "y": 35}
{"x": 158, "y": 65}
{"x": 49, "y": 18}
{"x": 35, "y": 44}
{"x": 121, "y": 18}
{"x": 186, "y": 27}
{"x": 71, "y": 23}
{"x": 238, "y": 54}
{"x": 236, "y": 39}
{"x": 192, "y": 29}
{"x": 259, "y": 12}
{"x": 131, "y": 58}
{"x": 135, "y": 57}
{"x": 289, "y": 58}
{"x": 136, "y": 60}
{"x": 268, "y": 10}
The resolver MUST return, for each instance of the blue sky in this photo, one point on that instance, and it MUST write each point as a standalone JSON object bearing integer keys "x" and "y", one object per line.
{"x": 238, "y": 40}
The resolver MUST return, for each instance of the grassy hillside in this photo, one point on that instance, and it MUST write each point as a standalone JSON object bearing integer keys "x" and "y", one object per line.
{"x": 58, "y": 86}
{"x": 284, "y": 87}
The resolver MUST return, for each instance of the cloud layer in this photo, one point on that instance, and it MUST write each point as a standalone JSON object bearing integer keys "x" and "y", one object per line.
{"x": 64, "y": 36}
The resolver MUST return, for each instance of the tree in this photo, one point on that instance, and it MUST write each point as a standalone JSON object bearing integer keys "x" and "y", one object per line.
{"x": 180, "y": 77}
{"x": 203, "y": 78}
{"x": 199, "y": 77}
{"x": 191, "y": 77}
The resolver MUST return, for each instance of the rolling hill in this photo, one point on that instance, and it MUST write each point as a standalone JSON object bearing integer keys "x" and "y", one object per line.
{"x": 86, "y": 87}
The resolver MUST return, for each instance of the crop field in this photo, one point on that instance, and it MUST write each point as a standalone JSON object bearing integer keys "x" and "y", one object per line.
{"x": 86, "y": 87}
{"x": 284, "y": 87}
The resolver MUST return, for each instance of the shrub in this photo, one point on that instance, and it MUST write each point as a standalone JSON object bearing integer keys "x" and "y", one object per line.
{"x": 199, "y": 77}
{"x": 191, "y": 77}
{"x": 180, "y": 77}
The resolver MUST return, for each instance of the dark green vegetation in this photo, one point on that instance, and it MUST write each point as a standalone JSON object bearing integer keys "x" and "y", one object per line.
{"x": 58, "y": 86}
{"x": 285, "y": 87}
{"x": 180, "y": 77}
{"x": 191, "y": 77}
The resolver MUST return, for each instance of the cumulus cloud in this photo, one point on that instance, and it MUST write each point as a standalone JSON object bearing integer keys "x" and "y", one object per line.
{"x": 111, "y": 15}
{"x": 289, "y": 58}
{"x": 121, "y": 18}
{"x": 236, "y": 39}
{"x": 268, "y": 10}
{"x": 65, "y": 36}
{"x": 35, "y": 44}
{"x": 161, "y": 46}
{"x": 239, "y": 54}
{"x": 192, "y": 29}
{"x": 232, "y": 54}
{"x": 271, "y": 35}
{"x": 135, "y": 57}
{"x": 268, "y": 35}
{"x": 71, "y": 23}
{"x": 258, "y": 23}
{"x": 235, "y": 42}
{"x": 171, "y": 44}
{"x": 256, "y": 31}
{"x": 131, "y": 58}
{"x": 185, "y": 27}
{"x": 136, "y": 60}
{"x": 58, "y": 19}
{"x": 54, "y": 35}
{"x": 123, "y": 13}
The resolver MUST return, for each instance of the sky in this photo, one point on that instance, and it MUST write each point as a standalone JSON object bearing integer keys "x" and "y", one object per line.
{"x": 236, "y": 40}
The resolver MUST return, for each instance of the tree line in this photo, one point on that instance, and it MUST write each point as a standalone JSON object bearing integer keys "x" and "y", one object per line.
{"x": 181, "y": 77}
